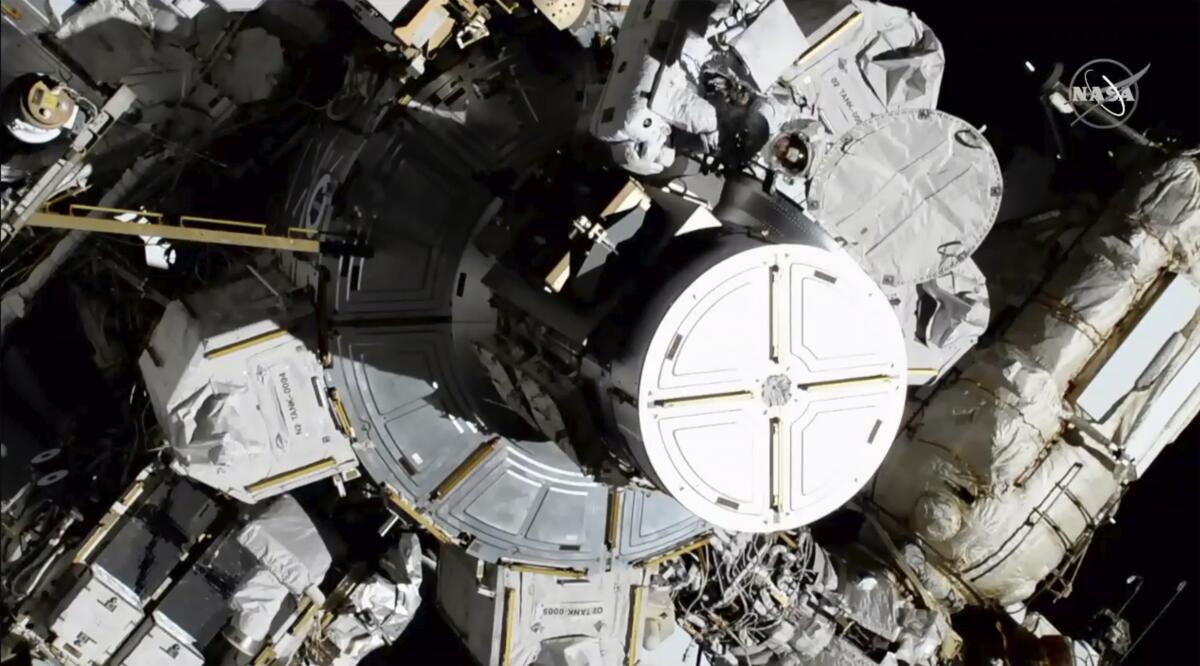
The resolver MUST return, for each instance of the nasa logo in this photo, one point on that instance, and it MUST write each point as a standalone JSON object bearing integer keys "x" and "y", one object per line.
{"x": 1105, "y": 84}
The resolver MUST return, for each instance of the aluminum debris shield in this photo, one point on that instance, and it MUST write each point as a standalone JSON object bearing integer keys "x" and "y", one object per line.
{"x": 910, "y": 194}
{"x": 772, "y": 388}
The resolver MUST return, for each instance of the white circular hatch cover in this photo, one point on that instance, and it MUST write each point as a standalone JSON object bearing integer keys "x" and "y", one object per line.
{"x": 911, "y": 194}
{"x": 772, "y": 388}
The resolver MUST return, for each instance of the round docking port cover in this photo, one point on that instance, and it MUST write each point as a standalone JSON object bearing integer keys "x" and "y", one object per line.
{"x": 910, "y": 194}
{"x": 772, "y": 388}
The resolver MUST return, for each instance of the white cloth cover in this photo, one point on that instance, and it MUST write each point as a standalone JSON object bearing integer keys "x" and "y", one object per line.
{"x": 287, "y": 543}
{"x": 888, "y": 60}
{"x": 256, "y": 603}
{"x": 995, "y": 443}
{"x": 961, "y": 309}
{"x": 910, "y": 194}
{"x": 216, "y": 427}
{"x": 570, "y": 651}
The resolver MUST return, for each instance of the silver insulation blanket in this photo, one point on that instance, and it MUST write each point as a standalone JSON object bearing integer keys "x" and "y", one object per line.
{"x": 378, "y": 609}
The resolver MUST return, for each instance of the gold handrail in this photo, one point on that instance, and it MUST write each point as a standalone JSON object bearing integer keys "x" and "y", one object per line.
{"x": 119, "y": 211}
{"x": 262, "y": 228}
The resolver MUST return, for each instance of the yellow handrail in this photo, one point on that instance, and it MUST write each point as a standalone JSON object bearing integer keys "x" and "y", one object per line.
{"x": 158, "y": 218}
{"x": 118, "y": 211}
{"x": 262, "y": 228}
{"x": 258, "y": 238}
